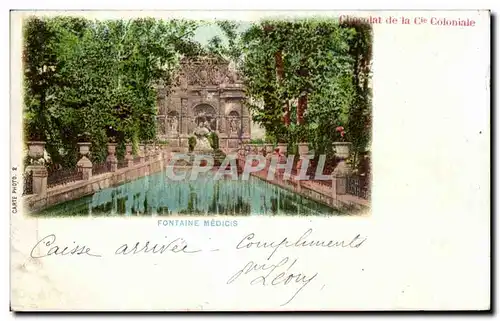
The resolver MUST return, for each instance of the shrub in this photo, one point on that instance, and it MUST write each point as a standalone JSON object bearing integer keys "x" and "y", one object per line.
{"x": 213, "y": 138}
{"x": 258, "y": 141}
{"x": 192, "y": 143}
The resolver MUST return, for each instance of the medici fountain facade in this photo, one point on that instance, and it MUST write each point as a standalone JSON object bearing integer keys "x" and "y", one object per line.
{"x": 208, "y": 96}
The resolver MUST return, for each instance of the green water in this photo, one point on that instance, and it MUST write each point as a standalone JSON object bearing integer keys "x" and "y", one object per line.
{"x": 158, "y": 195}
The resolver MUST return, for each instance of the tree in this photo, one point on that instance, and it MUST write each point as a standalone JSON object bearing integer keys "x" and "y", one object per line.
{"x": 95, "y": 79}
{"x": 301, "y": 71}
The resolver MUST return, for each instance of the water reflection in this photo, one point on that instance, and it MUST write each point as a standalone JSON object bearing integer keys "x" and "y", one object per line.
{"x": 157, "y": 195}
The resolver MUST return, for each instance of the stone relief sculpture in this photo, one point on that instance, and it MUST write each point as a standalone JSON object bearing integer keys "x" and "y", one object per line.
{"x": 205, "y": 71}
{"x": 206, "y": 114}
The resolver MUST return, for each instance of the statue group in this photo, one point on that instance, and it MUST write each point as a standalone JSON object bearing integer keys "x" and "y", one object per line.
{"x": 201, "y": 133}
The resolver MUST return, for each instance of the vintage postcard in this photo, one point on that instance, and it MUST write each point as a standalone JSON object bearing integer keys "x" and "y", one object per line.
{"x": 250, "y": 160}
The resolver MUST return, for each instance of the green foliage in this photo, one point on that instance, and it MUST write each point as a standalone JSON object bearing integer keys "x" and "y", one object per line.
{"x": 219, "y": 157}
{"x": 192, "y": 143}
{"x": 230, "y": 51}
{"x": 213, "y": 139}
{"x": 259, "y": 141}
{"x": 97, "y": 77}
{"x": 325, "y": 62}
{"x": 100, "y": 78}
{"x": 162, "y": 142}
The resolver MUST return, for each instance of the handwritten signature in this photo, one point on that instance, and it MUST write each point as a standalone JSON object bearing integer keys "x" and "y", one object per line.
{"x": 273, "y": 277}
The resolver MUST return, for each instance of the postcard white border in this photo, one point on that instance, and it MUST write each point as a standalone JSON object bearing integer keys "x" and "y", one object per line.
{"x": 438, "y": 223}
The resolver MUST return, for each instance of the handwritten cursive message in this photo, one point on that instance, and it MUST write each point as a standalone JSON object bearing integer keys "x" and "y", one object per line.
{"x": 47, "y": 247}
{"x": 271, "y": 271}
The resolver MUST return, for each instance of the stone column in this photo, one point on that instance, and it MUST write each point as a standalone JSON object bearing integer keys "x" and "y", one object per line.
{"x": 40, "y": 175}
{"x": 128, "y": 155}
{"x": 111, "y": 159}
{"x": 84, "y": 163}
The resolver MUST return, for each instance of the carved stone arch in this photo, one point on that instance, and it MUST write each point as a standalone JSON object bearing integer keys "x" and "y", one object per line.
{"x": 206, "y": 114}
{"x": 173, "y": 113}
{"x": 234, "y": 113}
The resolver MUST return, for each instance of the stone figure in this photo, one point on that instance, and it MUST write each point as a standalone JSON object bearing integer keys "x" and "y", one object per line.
{"x": 201, "y": 134}
{"x": 233, "y": 125}
{"x": 206, "y": 124}
{"x": 174, "y": 125}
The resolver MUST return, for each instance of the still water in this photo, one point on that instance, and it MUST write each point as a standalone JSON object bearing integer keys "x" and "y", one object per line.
{"x": 158, "y": 195}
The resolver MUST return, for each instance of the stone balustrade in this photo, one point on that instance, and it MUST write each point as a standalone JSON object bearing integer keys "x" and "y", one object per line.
{"x": 147, "y": 153}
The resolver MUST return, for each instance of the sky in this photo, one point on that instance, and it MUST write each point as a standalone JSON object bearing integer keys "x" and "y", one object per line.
{"x": 204, "y": 33}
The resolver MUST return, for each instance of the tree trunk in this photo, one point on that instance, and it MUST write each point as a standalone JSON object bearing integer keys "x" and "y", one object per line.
{"x": 280, "y": 74}
{"x": 301, "y": 108}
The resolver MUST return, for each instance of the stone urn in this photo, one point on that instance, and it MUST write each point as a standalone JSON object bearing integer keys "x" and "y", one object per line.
{"x": 36, "y": 149}
{"x": 128, "y": 151}
{"x": 84, "y": 148}
{"x": 342, "y": 149}
{"x": 111, "y": 149}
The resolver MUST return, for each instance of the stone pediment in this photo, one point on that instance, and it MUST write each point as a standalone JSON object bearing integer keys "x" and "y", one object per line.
{"x": 206, "y": 71}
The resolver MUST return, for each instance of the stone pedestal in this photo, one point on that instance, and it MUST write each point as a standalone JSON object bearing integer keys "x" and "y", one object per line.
{"x": 40, "y": 175}
{"x": 128, "y": 155}
{"x": 142, "y": 153}
{"x": 184, "y": 141}
{"x": 303, "y": 151}
{"x": 283, "y": 147}
{"x": 157, "y": 152}
{"x": 342, "y": 170}
{"x": 84, "y": 164}
{"x": 111, "y": 159}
